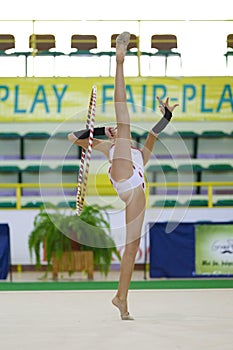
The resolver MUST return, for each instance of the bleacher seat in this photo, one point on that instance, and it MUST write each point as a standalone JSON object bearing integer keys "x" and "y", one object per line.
{"x": 34, "y": 144}
{"x": 7, "y": 205}
{"x": 166, "y": 203}
{"x": 65, "y": 205}
{"x": 224, "y": 203}
{"x": 10, "y": 145}
{"x": 170, "y": 146}
{"x": 215, "y": 144}
{"x": 197, "y": 203}
{"x": 46, "y": 175}
{"x": 59, "y": 147}
{"x": 9, "y": 175}
{"x": 218, "y": 173}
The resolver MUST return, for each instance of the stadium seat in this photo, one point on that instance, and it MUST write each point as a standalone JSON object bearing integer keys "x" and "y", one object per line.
{"x": 83, "y": 44}
{"x": 35, "y": 204}
{"x": 224, "y": 203}
{"x": 132, "y": 50}
{"x": 69, "y": 204}
{"x": 164, "y": 45}
{"x": 43, "y": 49}
{"x": 9, "y": 175}
{"x": 10, "y": 145}
{"x": 33, "y": 144}
{"x": 7, "y": 205}
{"x": 166, "y": 203}
{"x": 218, "y": 173}
{"x": 7, "y": 51}
{"x": 59, "y": 147}
{"x": 197, "y": 203}
{"x": 215, "y": 144}
{"x": 230, "y": 46}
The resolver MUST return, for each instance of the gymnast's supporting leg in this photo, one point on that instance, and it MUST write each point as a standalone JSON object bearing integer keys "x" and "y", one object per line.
{"x": 122, "y": 168}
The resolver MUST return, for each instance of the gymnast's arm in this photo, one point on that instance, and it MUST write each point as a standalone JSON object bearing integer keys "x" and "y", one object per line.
{"x": 81, "y": 138}
{"x": 152, "y": 136}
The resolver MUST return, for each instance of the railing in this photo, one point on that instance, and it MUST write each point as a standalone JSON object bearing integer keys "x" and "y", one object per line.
{"x": 209, "y": 185}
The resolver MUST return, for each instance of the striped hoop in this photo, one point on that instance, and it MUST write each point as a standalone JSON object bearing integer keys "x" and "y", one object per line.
{"x": 86, "y": 155}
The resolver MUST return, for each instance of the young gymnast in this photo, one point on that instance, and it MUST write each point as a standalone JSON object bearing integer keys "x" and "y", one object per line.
{"x": 126, "y": 170}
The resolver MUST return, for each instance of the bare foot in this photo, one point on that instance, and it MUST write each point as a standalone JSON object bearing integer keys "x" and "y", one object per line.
{"x": 121, "y": 46}
{"x": 122, "y": 306}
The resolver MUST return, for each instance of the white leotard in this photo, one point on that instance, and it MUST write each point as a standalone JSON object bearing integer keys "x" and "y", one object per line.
{"x": 137, "y": 179}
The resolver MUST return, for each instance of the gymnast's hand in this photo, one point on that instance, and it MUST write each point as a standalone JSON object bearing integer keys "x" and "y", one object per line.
{"x": 110, "y": 132}
{"x": 162, "y": 105}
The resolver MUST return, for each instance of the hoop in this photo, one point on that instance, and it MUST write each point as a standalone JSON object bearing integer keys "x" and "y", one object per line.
{"x": 86, "y": 155}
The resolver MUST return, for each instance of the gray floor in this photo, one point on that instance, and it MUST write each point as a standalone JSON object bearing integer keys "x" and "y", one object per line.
{"x": 164, "y": 319}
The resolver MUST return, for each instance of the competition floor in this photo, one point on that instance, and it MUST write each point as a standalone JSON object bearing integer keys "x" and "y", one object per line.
{"x": 167, "y": 316}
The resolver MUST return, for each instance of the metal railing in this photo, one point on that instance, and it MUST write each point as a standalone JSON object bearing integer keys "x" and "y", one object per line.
{"x": 19, "y": 186}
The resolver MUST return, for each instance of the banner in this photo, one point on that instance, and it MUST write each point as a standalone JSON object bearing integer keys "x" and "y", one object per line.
{"x": 4, "y": 251}
{"x": 191, "y": 250}
{"x": 172, "y": 254}
{"x": 214, "y": 249}
{"x": 66, "y": 99}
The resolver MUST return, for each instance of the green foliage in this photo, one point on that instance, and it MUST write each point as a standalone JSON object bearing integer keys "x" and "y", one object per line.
{"x": 54, "y": 228}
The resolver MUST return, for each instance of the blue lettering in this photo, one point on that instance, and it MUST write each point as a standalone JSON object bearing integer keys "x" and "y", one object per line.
{"x": 203, "y": 95}
{"x": 186, "y": 96}
{"x": 144, "y": 98}
{"x": 41, "y": 99}
{"x": 106, "y": 98}
{"x": 224, "y": 99}
{"x": 130, "y": 99}
{"x": 59, "y": 96}
{"x": 6, "y": 89}
{"x": 16, "y": 102}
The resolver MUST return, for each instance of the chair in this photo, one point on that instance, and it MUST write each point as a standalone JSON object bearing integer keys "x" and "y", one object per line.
{"x": 164, "y": 44}
{"x": 34, "y": 145}
{"x": 10, "y": 145}
{"x": 132, "y": 49}
{"x": 83, "y": 44}
{"x": 133, "y": 43}
{"x": 229, "y": 45}
{"x": 215, "y": 144}
{"x": 43, "y": 45}
{"x": 7, "y": 42}
{"x": 9, "y": 174}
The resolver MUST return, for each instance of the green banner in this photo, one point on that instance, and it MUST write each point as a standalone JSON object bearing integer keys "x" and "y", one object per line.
{"x": 214, "y": 249}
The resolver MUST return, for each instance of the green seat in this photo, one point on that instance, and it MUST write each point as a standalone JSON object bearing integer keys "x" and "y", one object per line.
{"x": 224, "y": 203}
{"x": 9, "y": 169}
{"x": 197, "y": 203}
{"x": 220, "y": 167}
{"x": 36, "y": 135}
{"x": 186, "y": 134}
{"x": 7, "y": 205}
{"x": 37, "y": 168}
{"x": 160, "y": 168}
{"x": 69, "y": 204}
{"x": 67, "y": 168}
{"x": 165, "y": 203}
{"x": 214, "y": 134}
{"x": 33, "y": 204}
{"x": 190, "y": 167}
{"x": 60, "y": 135}
{"x": 10, "y": 135}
